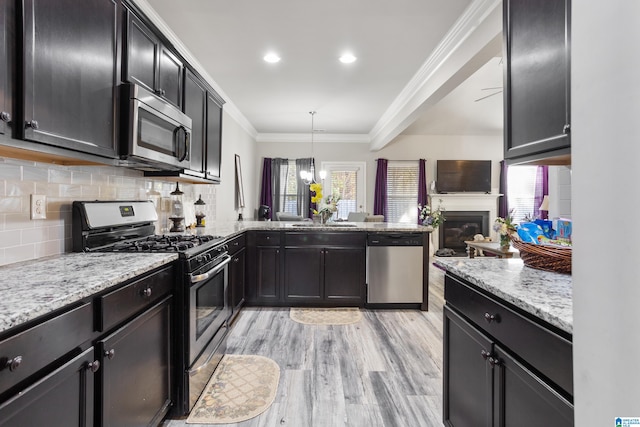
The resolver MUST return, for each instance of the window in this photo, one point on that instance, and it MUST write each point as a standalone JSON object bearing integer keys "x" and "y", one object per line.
{"x": 289, "y": 189}
{"x": 345, "y": 179}
{"x": 521, "y": 187}
{"x": 402, "y": 192}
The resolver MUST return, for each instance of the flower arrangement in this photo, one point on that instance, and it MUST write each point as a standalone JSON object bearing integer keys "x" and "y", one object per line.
{"x": 505, "y": 227}
{"x": 326, "y": 206}
{"x": 432, "y": 218}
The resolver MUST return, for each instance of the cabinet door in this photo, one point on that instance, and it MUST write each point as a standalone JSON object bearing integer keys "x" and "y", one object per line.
{"x": 195, "y": 106}
{"x": 71, "y": 73}
{"x": 214, "y": 137}
{"x": 236, "y": 278}
{"x": 170, "y": 74}
{"x": 523, "y": 399}
{"x": 62, "y": 398}
{"x": 135, "y": 381}
{"x": 468, "y": 378}
{"x": 143, "y": 50}
{"x": 537, "y": 78}
{"x": 303, "y": 276}
{"x": 344, "y": 275}
{"x": 7, "y": 39}
{"x": 268, "y": 274}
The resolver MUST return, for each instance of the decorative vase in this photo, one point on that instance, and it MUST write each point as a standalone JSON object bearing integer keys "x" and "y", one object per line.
{"x": 505, "y": 242}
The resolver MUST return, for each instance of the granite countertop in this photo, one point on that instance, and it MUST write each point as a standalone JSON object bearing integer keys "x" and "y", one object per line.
{"x": 232, "y": 228}
{"x": 34, "y": 288}
{"x": 546, "y": 295}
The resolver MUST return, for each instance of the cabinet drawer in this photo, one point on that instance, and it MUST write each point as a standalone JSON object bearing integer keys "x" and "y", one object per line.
{"x": 326, "y": 239}
{"x": 236, "y": 244}
{"x": 267, "y": 239}
{"x": 119, "y": 305}
{"x": 37, "y": 347}
{"x": 541, "y": 348}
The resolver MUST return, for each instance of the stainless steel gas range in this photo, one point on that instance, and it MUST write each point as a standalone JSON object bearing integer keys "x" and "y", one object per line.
{"x": 201, "y": 292}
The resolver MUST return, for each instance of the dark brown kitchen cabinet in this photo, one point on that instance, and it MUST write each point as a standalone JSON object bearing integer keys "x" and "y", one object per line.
{"x": 134, "y": 384}
{"x": 537, "y": 81}
{"x": 7, "y": 40}
{"x": 65, "y": 397}
{"x": 324, "y": 268}
{"x": 71, "y": 73}
{"x": 501, "y": 368}
{"x": 151, "y": 64}
{"x": 214, "y": 137}
{"x": 195, "y": 106}
{"x": 264, "y": 266}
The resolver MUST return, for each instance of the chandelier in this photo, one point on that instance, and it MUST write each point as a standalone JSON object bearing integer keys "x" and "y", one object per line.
{"x": 309, "y": 176}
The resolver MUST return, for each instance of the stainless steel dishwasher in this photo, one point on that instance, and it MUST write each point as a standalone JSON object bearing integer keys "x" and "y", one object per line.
{"x": 394, "y": 268}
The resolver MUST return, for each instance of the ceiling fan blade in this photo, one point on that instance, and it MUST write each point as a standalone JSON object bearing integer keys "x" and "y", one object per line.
{"x": 488, "y": 96}
{"x": 492, "y": 88}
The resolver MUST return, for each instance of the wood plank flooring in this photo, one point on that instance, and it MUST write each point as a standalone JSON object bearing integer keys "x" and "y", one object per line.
{"x": 385, "y": 370}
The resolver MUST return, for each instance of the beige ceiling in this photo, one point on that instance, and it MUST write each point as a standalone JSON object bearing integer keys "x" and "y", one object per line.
{"x": 392, "y": 40}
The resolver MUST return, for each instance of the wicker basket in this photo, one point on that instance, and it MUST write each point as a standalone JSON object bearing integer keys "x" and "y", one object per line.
{"x": 542, "y": 257}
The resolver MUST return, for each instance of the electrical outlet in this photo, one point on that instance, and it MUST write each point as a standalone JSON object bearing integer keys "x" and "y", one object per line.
{"x": 38, "y": 207}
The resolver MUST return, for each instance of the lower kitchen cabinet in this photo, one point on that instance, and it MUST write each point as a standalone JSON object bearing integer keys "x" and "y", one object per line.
{"x": 65, "y": 397}
{"x": 324, "y": 268}
{"x": 264, "y": 268}
{"x": 488, "y": 383}
{"x": 135, "y": 379}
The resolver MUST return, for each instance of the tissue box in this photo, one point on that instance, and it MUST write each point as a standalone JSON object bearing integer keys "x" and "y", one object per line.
{"x": 563, "y": 231}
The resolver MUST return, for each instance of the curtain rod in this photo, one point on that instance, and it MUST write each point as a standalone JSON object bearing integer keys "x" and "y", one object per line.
{"x": 394, "y": 160}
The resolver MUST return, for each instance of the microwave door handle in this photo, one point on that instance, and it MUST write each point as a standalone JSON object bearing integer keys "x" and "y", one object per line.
{"x": 182, "y": 129}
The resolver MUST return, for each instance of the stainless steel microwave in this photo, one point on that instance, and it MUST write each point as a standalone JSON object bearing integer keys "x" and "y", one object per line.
{"x": 155, "y": 135}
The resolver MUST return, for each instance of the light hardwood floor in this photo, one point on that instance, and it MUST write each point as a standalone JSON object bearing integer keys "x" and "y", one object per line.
{"x": 385, "y": 370}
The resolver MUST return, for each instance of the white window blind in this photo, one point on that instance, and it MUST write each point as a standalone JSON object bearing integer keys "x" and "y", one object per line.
{"x": 344, "y": 184}
{"x": 289, "y": 189}
{"x": 402, "y": 192}
{"x": 521, "y": 184}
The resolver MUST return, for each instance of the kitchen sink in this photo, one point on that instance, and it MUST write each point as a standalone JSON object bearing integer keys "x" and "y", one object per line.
{"x": 328, "y": 225}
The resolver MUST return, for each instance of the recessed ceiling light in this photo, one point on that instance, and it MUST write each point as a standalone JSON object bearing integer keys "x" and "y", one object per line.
{"x": 272, "y": 58}
{"x": 347, "y": 58}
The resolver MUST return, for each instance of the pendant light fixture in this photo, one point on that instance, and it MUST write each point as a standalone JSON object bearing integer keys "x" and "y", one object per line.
{"x": 309, "y": 176}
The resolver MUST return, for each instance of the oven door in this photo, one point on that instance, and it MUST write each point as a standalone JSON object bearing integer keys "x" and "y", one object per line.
{"x": 208, "y": 305}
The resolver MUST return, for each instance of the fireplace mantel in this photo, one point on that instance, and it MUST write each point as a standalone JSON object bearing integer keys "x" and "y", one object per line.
{"x": 467, "y": 202}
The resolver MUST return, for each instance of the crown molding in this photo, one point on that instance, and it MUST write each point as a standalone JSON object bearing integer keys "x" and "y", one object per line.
{"x": 324, "y": 138}
{"x": 229, "y": 107}
{"x": 404, "y": 106}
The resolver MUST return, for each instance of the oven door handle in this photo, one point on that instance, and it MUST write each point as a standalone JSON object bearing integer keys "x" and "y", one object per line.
{"x": 215, "y": 270}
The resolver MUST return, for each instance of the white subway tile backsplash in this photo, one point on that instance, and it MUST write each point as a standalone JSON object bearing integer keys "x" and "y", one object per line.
{"x": 59, "y": 176}
{"x": 80, "y": 177}
{"x": 22, "y": 238}
{"x": 19, "y": 253}
{"x": 10, "y": 171}
{"x": 11, "y": 205}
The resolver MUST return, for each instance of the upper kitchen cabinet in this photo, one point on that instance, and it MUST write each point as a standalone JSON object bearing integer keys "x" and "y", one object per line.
{"x": 537, "y": 87}
{"x": 149, "y": 63}
{"x": 195, "y": 106}
{"x": 214, "y": 136}
{"x": 71, "y": 71}
{"x": 7, "y": 37}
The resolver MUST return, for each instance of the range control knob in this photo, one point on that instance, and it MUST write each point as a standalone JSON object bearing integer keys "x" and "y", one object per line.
{"x": 199, "y": 258}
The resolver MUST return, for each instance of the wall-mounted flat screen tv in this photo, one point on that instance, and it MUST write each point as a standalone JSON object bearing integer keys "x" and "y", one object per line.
{"x": 463, "y": 176}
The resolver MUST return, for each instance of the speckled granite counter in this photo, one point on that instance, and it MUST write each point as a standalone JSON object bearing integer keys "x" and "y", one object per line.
{"x": 233, "y": 228}
{"x": 544, "y": 294}
{"x": 34, "y": 288}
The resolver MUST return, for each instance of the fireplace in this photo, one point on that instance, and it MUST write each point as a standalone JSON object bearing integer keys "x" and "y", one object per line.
{"x": 461, "y": 226}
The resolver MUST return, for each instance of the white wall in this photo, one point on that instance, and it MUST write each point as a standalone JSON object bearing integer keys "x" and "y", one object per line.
{"x": 605, "y": 96}
{"x": 559, "y": 192}
{"x": 236, "y": 141}
{"x": 404, "y": 147}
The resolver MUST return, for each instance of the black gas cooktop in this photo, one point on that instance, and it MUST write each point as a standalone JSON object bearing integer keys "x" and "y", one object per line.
{"x": 164, "y": 243}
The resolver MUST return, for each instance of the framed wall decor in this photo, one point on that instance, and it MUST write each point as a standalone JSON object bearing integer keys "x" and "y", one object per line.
{"x": 239, "y": 185}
